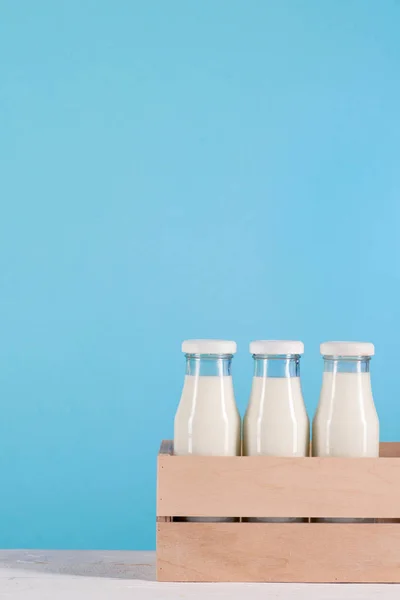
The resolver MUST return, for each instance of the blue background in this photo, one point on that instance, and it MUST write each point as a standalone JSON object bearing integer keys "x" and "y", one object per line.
{"x": 172, "y": 170}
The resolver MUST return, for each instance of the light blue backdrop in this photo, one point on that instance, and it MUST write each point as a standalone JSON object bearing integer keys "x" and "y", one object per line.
{"x": 173, "y": 170}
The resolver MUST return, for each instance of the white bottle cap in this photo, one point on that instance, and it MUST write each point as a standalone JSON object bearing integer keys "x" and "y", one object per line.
{"x": 347, "y": 349}
{"x": 276, "y": 347}
{"x": 208, "y": 347}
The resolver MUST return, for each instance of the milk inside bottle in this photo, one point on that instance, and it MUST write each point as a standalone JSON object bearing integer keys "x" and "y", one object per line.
{"x": 276, "y": 421}
{"x": 207, "y": 421}
{"x": 346, "y": 422}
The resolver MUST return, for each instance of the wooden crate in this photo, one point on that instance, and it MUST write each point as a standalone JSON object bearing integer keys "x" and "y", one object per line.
{"x": 260, "y": 486}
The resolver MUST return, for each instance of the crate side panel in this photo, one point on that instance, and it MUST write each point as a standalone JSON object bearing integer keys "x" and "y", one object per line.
{"x": 250, "y": 552}
{"x": 263, "y": 486}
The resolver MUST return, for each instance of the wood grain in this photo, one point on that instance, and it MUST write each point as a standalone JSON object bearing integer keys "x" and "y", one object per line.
{"x": 387, "y": 449}
{"x": 278, "y": 552}
{"x": 262, "y": 486}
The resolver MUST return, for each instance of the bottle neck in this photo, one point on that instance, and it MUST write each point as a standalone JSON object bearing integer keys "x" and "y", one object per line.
{"x": 346, "y": 364}
{"x": 211, "y": 365}
{"x": 266, "y": 365}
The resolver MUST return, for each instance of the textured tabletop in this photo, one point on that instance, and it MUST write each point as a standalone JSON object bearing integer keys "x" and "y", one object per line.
{"x": 62, "y": 574}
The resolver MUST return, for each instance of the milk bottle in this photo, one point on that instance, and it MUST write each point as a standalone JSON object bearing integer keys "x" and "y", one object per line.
{"x": 207, "y": 421}
{"x": 346, "y": 422}
{"x": 276, "y": 421}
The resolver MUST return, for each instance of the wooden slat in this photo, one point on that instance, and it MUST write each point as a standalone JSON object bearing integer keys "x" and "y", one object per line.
{"x": 278, "y": 552}
{"x": 264, "y": 486}
{"x": 387, "y": 449}
{"x": 166, "y": 449}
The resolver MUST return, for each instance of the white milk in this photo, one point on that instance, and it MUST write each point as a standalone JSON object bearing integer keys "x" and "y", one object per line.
{"x": 276, "y": 423}
{"x": 207, "y": 421}
{"x": 346, "y": 422}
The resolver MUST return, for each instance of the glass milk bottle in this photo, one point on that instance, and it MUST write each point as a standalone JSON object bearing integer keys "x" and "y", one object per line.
{"x": 276, "y": 421}
{"x": 207, "y": 421}
{"x": 346, "y": 422}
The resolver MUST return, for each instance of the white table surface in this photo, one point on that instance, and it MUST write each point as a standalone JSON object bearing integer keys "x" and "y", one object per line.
{"x": 94, "y": 575}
